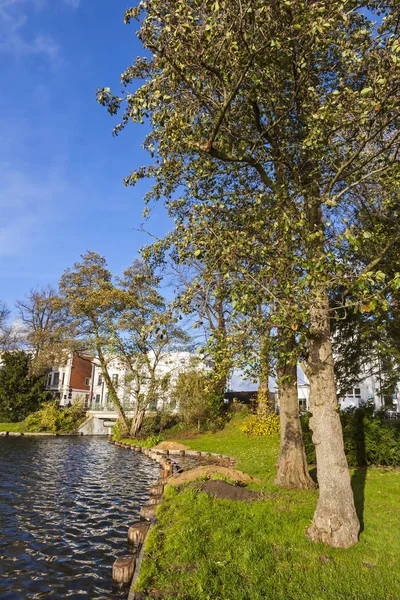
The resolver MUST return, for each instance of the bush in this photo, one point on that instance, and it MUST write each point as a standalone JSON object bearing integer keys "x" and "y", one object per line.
{"x": 191, "y": 395}
{"x": 265, "y": 424}
{"x": 368, "y": 438}
{"x": 157, "y": 423}
{"x": 51, "y": 419}
{"x": 151, "y": 441}
{"x": 118, "y": 432}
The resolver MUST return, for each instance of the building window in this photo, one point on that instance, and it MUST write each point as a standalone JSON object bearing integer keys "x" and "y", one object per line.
{"x": 87, "y": 381}
{"x": 63, "y": 379}
{"x": 354, "y": 393}
{"x": 115, "y": 379}
{"x": 56, "y": 378}
{"x": 100, "y": 379}
{"x": 97, "y": 398}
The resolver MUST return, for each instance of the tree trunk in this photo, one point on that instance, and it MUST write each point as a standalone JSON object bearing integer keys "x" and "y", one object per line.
{"x": 137, "y": 420}
{"x": 113, "y": 394}
{"x": 292, "y": 464}
{"x": 335, "y": 520}
{"x": 263, "y": 402}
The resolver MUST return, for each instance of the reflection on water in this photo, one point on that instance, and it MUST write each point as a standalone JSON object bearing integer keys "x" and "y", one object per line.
{"x": 65, "y": 507}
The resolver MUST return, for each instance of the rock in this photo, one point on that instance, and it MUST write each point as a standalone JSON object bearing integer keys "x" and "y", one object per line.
{"x": 208, "y": 471}
{"x": 170, "y": 446}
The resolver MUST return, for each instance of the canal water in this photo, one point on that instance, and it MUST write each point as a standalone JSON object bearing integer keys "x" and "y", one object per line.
{"x": 65, "y": 507}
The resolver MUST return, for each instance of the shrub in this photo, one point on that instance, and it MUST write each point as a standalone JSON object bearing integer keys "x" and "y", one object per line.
{"x": 368, "y": 438}
{"x": 155, "y": 424}
{"x": 266, "y": 424}
{"x": 51, "y": 419}
{"x": 191, "y": 395}
{"x": 151, "y": 441}
{"x": 118, "y": 432}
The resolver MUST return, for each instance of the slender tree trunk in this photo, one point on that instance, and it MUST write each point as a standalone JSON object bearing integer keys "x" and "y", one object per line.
{"x": 221, "y": 359}
{"x": 137, "y": 420}
{"x": 263, "y": 402}
{"x": 335, "y": 520}
{"x": 292, "y": 463}
{"x": 113, "y": 394}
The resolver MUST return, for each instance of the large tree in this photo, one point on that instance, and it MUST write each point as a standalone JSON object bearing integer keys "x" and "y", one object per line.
{"x": 294, "y": 104}
{"x": 44, "y": 319}
{"x": 146, "y": 333}
{"x": 123, "y": 319}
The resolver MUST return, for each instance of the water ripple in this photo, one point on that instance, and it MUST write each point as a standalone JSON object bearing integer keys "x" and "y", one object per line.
{"x": 65, "y": 506}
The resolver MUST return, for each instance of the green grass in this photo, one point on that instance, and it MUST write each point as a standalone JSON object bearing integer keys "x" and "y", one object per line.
{"x": 10, "y": 426}
{"x": 208, "y": 549}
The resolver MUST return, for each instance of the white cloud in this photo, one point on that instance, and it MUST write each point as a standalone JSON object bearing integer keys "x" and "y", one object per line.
{"x": 14, "y": 36}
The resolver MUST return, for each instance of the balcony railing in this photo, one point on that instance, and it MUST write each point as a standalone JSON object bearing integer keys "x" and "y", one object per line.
{"x": 107, "y": 406}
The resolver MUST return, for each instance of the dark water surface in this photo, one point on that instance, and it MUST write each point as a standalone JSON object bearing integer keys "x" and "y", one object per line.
{"x": 65, "y": 507}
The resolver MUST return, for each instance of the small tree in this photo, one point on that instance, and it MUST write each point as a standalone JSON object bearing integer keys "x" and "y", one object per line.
{"x": 20, "y": 392}
{"x": 90, "y": 296}
{"x": 147, "y": 333}
{"x": 191, "y": 396}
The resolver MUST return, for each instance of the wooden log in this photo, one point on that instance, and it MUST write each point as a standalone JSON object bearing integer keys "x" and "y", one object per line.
{"x": 156, "y": 490}
{"x": 155, "y": 500}
{"x": 123, "y": 569}
{"x": 194, "y": 453}
{"x": 148, "y": 512}
{"x": 137, "y": 532}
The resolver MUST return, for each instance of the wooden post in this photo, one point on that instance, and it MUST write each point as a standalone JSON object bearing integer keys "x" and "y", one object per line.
{"x": 155, "y": 500}
{"x": 156, "y": 490}
{"x": 137, "y": 532}
{"x": 148, "y": 512}
{"x": 167, "y": 469}
{"x": 123, "y": 569}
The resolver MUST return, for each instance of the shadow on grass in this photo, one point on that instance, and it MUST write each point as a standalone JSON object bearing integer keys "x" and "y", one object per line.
{"x": 358, "y": 484}
{"x": 360, "y": 474}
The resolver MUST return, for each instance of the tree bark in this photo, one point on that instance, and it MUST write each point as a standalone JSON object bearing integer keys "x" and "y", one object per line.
{"x": 292, "y": 464}
{"x": 263, "y": 401}
{"x": 335, "y": 520}
{"x": 113, "y": 394}
{"x": 137, "y": 421}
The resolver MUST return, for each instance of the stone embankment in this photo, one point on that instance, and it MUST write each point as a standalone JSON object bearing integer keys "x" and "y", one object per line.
{"x": 126, "y": 568}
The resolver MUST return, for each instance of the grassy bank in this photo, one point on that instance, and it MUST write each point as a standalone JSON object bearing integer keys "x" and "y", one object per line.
{"x": 10, "y": 426}
{"x": 209, "y": 549}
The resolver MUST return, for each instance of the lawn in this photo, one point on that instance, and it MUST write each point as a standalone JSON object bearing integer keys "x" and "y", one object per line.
{"x": 10, "y": 426}
{"x": 209, "y": 549}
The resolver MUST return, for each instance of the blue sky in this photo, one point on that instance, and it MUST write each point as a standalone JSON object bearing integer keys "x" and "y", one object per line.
{"x": 61, "y": 189}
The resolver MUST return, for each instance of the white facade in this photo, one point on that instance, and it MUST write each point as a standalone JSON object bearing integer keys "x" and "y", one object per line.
{"x": 367, "y": 390}
{"x": 170, "y": 365}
